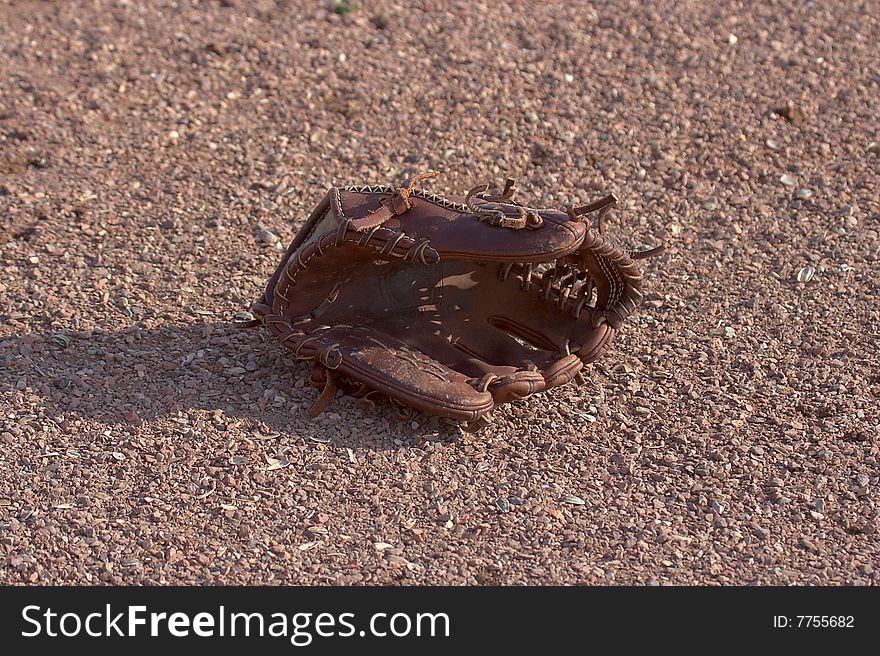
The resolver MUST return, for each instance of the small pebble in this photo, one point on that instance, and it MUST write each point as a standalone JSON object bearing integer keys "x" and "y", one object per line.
{"x": 267, "y": 237}
{"x": 805, "y": 274}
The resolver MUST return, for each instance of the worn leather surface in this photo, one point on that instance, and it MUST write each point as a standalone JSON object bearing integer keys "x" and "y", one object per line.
{"x": 424, "y": 300}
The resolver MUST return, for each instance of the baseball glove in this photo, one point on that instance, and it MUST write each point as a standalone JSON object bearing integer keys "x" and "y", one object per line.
{"x": 448, "y": 305}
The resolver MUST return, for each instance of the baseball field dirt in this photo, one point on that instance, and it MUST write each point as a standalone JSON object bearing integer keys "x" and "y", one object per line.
{"x": 156, "y": 157}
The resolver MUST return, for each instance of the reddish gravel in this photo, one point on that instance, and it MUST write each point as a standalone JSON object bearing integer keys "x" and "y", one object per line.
{"x": 152, "y": 152}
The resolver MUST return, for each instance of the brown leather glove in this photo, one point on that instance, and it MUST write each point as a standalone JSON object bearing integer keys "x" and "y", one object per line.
{"x": 447, "y": 305}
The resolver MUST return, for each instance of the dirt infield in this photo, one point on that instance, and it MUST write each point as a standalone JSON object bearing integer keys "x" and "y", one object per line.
{"x": 154, "y": 157}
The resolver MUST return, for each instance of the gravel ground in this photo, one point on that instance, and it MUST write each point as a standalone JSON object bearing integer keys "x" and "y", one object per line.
{"x": 154, "y": 157}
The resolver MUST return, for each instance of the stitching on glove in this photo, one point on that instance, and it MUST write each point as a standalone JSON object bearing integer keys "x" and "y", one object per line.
{"x": 429, "y": 196}
{"x": 394, "y": 205}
